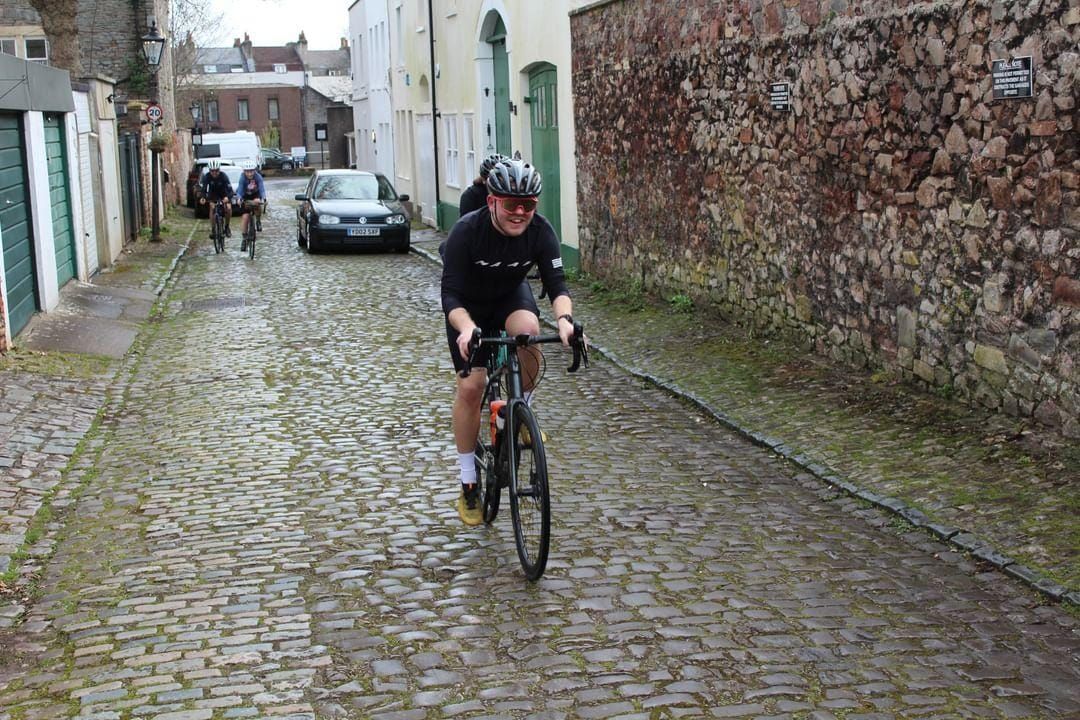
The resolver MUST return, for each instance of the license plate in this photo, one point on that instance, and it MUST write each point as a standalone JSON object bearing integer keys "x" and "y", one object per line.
{"x": 363, "y": 231}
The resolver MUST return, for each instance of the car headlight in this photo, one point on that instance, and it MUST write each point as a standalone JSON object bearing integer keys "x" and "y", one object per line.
{"x": 329, "y": 219}
{"x": 395, "y": 220}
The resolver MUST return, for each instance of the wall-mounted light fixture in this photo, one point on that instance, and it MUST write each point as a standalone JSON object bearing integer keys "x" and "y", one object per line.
{"x": 119, "y": 103}
{"x": 513, "y": 108}
{"x": 487, "y": 91}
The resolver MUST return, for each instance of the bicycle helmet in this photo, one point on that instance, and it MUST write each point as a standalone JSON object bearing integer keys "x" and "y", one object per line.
{"x": 213, "y": 164}
{"x": 514, "y": 178}
{"x": 247, "y": 165}
{"x": 489, "y": 162}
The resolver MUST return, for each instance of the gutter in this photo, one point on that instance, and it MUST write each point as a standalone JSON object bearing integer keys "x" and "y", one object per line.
{"x": 434, "y": 106}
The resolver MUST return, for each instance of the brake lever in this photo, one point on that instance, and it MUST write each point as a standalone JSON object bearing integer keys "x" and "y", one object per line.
{"x": 581, "y": 349}
{"x": 474, "y": 347}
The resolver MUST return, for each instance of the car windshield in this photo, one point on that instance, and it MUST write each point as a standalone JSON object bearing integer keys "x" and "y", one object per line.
{"x": 348, "y": 187}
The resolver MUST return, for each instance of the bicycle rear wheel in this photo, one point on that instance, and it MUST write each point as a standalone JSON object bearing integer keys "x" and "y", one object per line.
{"x": 219, "y": 233}
{"x": 251, "y": 238}
{"x": 530, "y": 502}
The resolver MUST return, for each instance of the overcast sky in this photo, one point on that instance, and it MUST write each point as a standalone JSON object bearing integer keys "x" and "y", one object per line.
{"x": 276, "y": 22}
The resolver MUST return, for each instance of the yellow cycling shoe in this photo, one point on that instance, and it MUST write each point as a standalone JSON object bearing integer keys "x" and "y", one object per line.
{"x": 468, "y": 505}
{"x": 526, "y": 437}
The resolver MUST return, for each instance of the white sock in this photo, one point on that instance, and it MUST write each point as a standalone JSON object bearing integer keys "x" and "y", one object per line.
{"x": 467, "y": 463}
{"x": 528, "y": 397}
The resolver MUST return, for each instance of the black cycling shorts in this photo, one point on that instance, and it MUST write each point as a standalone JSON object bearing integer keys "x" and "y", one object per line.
{"x": 491, "y": 318}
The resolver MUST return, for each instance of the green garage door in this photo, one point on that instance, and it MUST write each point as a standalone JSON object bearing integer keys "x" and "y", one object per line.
{"x": 63, "y": 232}
{"x": 21, "y": 289}
{"x": 543, "y": 100}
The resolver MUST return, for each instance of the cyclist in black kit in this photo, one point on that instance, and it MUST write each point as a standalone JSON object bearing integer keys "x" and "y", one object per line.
{"x": 475, "y": 196}
{"x": 488, "y": 255}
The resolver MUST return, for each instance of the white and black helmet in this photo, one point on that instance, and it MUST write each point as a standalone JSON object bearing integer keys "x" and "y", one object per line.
{"x": 489, "y": 162}
{"x": 514, "y": 178}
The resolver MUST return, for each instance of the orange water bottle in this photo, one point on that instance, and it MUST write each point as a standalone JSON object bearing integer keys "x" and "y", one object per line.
{"x": 498, "y": 417}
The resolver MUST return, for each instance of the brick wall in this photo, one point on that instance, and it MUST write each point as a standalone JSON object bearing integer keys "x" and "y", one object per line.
{"x": 896, "y": 216}
{"x": 289, "y": 120}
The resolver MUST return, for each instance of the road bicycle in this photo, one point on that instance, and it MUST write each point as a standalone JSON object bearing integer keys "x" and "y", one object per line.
{"x": 510, "y": 447}
{"x": 217, "y": 231}
{"x": 248, "y": 242}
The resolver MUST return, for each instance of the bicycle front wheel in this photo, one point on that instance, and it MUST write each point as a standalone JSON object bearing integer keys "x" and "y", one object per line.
{"x": 219, "y": 234}
{"x": 251, "y": 242}
{"x": 530, "y": 502}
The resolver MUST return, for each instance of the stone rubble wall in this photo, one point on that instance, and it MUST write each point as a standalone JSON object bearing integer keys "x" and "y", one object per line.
{"x": 896, "y": 217}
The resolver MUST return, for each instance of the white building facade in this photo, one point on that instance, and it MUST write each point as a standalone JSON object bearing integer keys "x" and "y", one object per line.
{"x": 474, "y": 77}
{"x": 373, "y": 128}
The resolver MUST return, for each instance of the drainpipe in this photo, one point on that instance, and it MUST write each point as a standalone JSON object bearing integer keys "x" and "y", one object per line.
{"x": 434, "y": 111}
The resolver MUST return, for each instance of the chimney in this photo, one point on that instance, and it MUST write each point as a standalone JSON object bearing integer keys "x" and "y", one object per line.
{"x": 344, "y": 43}
{"x": 236, "y": 42}
{"x": 303, "y": 40}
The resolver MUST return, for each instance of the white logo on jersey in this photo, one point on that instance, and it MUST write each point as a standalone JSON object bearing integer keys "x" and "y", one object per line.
{"x": 556, "y": 263}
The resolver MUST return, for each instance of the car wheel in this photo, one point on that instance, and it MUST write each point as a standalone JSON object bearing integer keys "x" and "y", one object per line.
{"x": 402, "y": 247}
{"x": 286, "y": 166}
{"x": 313, "y": 244}
{"x": 300, "y": 241}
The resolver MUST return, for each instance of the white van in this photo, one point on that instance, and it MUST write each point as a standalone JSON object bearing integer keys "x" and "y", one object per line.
{"x": 235, "y": 147}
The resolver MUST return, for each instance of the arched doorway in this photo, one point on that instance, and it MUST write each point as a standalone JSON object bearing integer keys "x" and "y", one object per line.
{"x": 500, "y": 67}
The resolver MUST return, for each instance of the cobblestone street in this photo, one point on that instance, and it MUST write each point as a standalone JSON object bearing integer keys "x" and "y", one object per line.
{"x": 268, "y": 530}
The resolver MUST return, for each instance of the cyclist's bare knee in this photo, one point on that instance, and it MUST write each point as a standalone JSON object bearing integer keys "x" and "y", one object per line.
{"x": 522, "y": 322}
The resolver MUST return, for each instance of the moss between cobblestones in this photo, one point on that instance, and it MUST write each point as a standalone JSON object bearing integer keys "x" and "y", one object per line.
{"x": 991, "y": 475}
{"x": 59, "y": 364}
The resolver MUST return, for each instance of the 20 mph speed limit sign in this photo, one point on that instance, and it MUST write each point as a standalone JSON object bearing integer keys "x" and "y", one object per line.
{"x": 153, "y": 112}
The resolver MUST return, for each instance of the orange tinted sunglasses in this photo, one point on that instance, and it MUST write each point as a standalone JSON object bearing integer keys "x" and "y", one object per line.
{"x": 513, "y": 204}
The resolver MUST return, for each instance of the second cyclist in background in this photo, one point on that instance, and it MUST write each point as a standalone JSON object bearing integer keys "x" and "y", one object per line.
{"x": 252, "y": 197}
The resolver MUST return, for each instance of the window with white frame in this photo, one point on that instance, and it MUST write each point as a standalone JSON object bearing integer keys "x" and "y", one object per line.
{"x": 37, "y": 50}
{"x": 242, "y": 110}
{"x": 280, "y": 68}
{"x": 470, "y": 145}
{"x": 211, "y": 111}
{"x": 403, "y": 154}
{"x": 209, "y": 69}
{"x": 272, "y": 110}
{"x": 450, "y": 134}
{"x": 400, "y": 29}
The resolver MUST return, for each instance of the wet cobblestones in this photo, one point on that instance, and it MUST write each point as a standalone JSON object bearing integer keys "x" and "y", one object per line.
{"x": 271, "y": 533}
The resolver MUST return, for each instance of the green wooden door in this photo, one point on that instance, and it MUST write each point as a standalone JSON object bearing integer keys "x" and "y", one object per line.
{"x": 15, "y": 227}
{"x": 501, "y": 69}
{"x": 63, "y": 227}
{"x": 544, "y": 114}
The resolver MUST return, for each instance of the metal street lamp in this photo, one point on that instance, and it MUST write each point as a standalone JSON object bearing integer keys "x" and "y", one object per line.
{"x": 153, "y": 43}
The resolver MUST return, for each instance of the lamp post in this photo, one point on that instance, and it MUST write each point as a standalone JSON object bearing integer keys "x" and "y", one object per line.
{"x": 196, "y": 130}
{"x": 153, "y": 43}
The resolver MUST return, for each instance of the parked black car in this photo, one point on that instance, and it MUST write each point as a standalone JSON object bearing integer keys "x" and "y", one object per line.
{"x": 351, "y": 208}
{"x": 273, "y": 159}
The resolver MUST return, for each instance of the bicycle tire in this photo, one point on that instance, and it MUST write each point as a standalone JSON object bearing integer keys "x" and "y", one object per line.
{"x": 251, "y": 238}
{"x": 487, "y": 476}
{"x": 219, "y": 233}
{"x": 530, "y": 500}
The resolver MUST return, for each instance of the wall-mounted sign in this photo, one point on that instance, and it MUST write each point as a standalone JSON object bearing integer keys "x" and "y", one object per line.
{"x": 780, "y": 96}
{"x": 320, "y": 131}
{"x": 1012, "y": 78}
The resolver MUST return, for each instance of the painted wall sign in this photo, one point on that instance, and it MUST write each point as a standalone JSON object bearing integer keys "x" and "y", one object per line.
{"x": 1012, "y": 78}
{"x": 780, "y": 96}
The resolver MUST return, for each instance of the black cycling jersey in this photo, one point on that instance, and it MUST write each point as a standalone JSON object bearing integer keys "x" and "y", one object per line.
{"x": 474, "y": 198}
{"x": 482, "y": 266}
{"x": 218, "y": 188}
